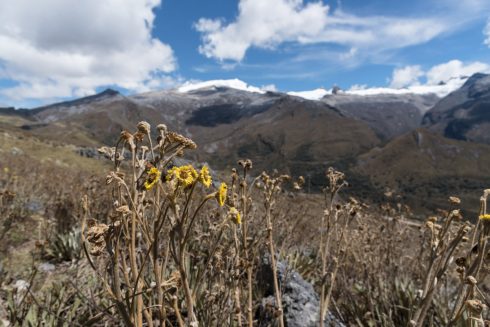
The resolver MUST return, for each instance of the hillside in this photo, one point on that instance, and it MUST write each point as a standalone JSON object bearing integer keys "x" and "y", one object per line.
{"x": 389, "y": 115}
{"x": 463, "y": 114}
{"x": 375, "y": 138}
{"x": 272, "y": 128}
{"x": 425, "y": 169}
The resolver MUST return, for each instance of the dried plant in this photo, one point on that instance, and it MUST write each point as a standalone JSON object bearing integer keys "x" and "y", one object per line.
{"x": 168, "y": 246}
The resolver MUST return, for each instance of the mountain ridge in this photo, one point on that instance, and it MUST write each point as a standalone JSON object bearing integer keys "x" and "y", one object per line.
{"x": 367, "y": 136}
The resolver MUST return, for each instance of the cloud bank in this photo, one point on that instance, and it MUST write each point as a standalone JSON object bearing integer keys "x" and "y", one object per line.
{"x": 64, "y": 48}
{"x": 266, "y": 24}
{"x": 409, "y": 76}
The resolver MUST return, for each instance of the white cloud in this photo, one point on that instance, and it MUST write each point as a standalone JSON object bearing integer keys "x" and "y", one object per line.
{"x": 406, "y": 76}
{"x": 440, "y": 79}
{"x": 63, "y": 48}
{"x": 409, "y": 76}
{"x": 454, "y": 69}
{"x": 265, "y": 24}
{"x": 486, "y": 33}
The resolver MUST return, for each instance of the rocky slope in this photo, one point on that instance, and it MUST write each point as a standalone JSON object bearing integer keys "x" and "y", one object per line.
{"x": 425, "y": 168}
{"x": 389, "y": 115}
{"x": 465, "y": 113}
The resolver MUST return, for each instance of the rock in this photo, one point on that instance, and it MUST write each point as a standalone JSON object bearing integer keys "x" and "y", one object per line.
{"x": 16, "y": 151}
{"x": 89, "y": 153}
{"x": 300, "y": 301}
{"x": 47, "y": 267}
{"x": 21, "y": 285}
{"x": 34, "y": 205}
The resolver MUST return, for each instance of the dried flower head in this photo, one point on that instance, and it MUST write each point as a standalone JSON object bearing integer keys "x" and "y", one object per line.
{"x": 139, "y": 136}
{"x": 186, "y": 175}
{"x": 152, "y": 178}
{"x": 471, "y": 280}
{"x": 205, "y": 177}
{"x": 234, "y": 215}
{"x": 454, "y": 200}
{"x": 96, "y": 235}
{"x": 143, "y": 127}
{"x": 221, "y": 195}
{"x": 123, "y": 209}
{"x": 162, "y": 128}
{"x": 128, "y": 138}
{"x": 245, "y": 163}
{"x": 177, "y": 138}
{"x": 475, "y": 306}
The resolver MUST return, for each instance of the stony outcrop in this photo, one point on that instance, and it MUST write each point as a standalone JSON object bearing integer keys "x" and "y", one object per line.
{"x": 300, "y": 301}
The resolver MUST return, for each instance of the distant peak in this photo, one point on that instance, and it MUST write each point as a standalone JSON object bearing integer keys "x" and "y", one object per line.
{"x": 109, "y": 92}
{"x": 475, "y": 78}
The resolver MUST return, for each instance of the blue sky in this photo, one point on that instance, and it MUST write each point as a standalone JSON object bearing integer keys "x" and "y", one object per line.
{"x": 60, "y": 49}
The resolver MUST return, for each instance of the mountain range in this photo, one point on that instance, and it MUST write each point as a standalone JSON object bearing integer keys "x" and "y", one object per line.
{"x": 423, "y": 146}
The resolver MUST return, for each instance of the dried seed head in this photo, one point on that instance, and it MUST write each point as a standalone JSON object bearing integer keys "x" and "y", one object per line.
{"x": 245, "y": 163}
{"x": 432, "y": 219}
{"x": 475, "y": 306}
{"x": 177, "y": 138}
{"x": 456, "y": 214}
{"x": 461, "y": 262}
{"x": 128, "y": 138}
{"x": 143, "y": 127}
{"x": 284, "y": 178}
{"x": 96, "y": 235}
{"x": 123, "y": 209}
{"x": 139, "y": 136}
{"x": 454, "y": 200}
{"x": 471, "y": 280}
{"x": 162, "y": 128}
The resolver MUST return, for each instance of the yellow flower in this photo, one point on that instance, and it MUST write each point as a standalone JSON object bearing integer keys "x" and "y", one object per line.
{"x": 234, "y": 215}
{"x": 187, "y": 175}
{"x": 221, "y": 195}
{"x": 204, "y": 176}
{"x": 485, "y": 217}
{"x": 152, "y": 179}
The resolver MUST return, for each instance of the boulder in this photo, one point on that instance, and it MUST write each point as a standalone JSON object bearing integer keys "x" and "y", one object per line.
{"x": 300, "y": 301}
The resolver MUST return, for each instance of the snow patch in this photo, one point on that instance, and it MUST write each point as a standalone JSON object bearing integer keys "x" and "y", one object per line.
{"x": 440, "y": 90}
{"x": 231, "y": 83}
{"x": 315, "y": 94}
